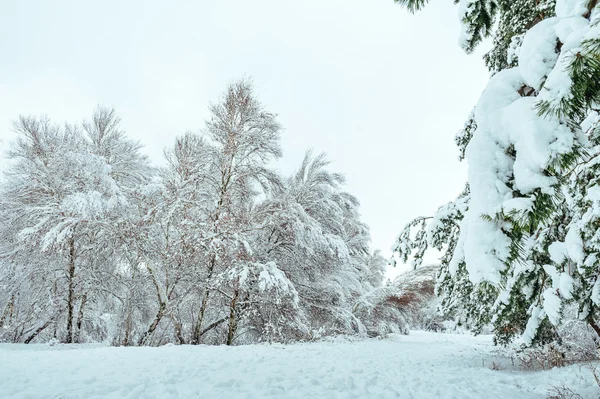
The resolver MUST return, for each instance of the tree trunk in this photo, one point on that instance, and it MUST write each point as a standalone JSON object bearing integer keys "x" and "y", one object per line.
{"x": 164, "y": 303}
{"x": 127, "y": 329}
{"x": 213, "y": 325}
{"x": 80, "y": 318}
{"x": 198, "y": 329}
{"x": 225, "y": 179}
{"x": 178, "y": 329}
{"x": 232, "y": 316}
{"x": 37, "y": 331}
{"x": 71, "y": 297}
{"x": 8, "y": 312}
{"x": 152, "y": 328}
{"x": 592, "y": 323}
{"x": 43, "y": 326}
{"x": 591, "y": 6}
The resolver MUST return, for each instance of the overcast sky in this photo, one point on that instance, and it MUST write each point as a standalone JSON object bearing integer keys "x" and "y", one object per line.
{"x": 381, "y": 91}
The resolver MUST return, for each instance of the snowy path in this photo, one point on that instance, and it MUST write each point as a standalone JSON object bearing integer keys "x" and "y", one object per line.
{"x": 422, "y": 365}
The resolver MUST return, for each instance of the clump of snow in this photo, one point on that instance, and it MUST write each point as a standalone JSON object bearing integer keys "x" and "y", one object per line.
{"x": 557, "y": 252}
{"x": 269, "y": 279}
{"x": 537, "y": 141}
{"x": 520, "y": 205}
{"x": 537, "y": 315}
{"x": 552, "y": 306}
{"x": 566, "y": 285}
{"x": 574, "y": 245}
{"x": 537, "y": 55}
{"x": 596, "y": 292}
{"x": 571, "y": 8}
{"x": 514, "y": 49}
{"x": 592, "y": 119}
{"x": 486, "y": 248}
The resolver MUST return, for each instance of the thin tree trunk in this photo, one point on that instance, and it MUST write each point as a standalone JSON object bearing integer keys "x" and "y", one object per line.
{"x": 164, "y": 309}
{"x": 591, "y": 6}
{"x": 152, "y": 328}
{"x": 80, "y": 317}
{"x": 38, "y": 331}
{"x": 42, "y": 327}
{"x": 127, "y": 329}
{"x": 55, "y": 294}
{"x": 232, "y": 316}
{"x": 128, "y": 320}
{"x": 178, "y": 329}
{"x": 225, "y": 180}
{"x": 8, "y": 312}
{"x": 71, "y": 298}
{"x": 214, "y": 325}
{"x": 198, "y": 329}
{"x": 592, "y": 323}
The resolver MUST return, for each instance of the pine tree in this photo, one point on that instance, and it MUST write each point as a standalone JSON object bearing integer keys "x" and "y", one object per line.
{"x": 527, "y": 240}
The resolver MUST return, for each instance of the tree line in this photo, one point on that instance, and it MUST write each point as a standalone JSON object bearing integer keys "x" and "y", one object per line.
{"x": 215, "y": 247}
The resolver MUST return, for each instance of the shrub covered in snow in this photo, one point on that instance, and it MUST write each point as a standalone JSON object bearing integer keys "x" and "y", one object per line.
{"x": 418, "y": 300}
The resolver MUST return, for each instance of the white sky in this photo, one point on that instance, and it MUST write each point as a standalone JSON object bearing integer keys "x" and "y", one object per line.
{"x": 379, "y": 90}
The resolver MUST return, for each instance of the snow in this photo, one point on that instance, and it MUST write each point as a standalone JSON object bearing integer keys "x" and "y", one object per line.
{"x": 569, "y": 8}
{"x": 520, "y": 205}
{"x": 570, "y": 31}
{"x": 566, "y": 285}
{"x": 596, "y": 292}
{"x": 574, "y": 245}
{"x": 537, "y": 315}
{"x": 485, "y": 246}
{"x": 421, "y": 365}
{"x": 537, "y": 55}
{"x": 557, "y": 251}
{"x": 592, "y": 119}
{"x": 552, "y": 306}
{"x": 271, "y": 278}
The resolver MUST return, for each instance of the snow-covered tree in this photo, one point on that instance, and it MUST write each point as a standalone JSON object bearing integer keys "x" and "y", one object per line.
{"x": 214, "y": 247}
{"x": 313, "y": 232}
{"x": 246, "y": 139}
{"x": 527, "y": 238}
{"x": 65, "y": 193}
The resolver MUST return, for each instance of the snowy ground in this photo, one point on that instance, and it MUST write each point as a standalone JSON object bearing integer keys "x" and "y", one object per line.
{"x": 422, "y": 365}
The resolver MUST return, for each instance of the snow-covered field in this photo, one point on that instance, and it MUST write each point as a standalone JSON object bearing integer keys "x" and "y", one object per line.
{"x": 422, "y": 365}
